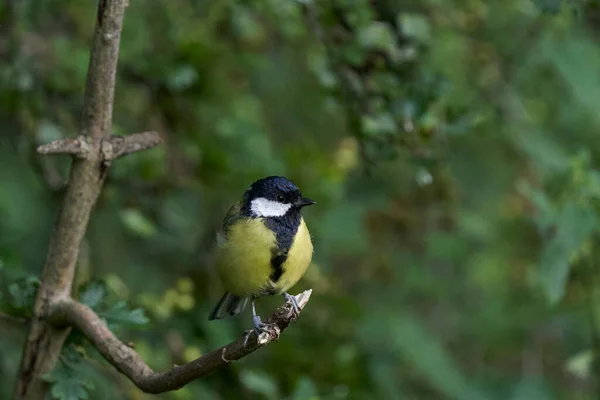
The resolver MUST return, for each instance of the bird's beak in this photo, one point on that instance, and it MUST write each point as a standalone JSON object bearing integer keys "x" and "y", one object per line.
{"x": 303, "y": 202}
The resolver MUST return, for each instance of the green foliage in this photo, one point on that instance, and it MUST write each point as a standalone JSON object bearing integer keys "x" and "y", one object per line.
{"x": 66, "y": 386}
{"x": 120, "y": 314}
{"x": 452, "y": 148}
{"x": 414, "y": 345}
{"x": 76, "y": 377}
{"x": 93, "y": 294}
{"x": 18, "y": 296}
{"x": 116, "y": 313}
{"x": 260, "y": 383}
{"x": 305, "y": 390}
{"x": 573, "y": 226}
{"x": 22, "y": 293}
{"x": 137, "y": 223}
{"x": 68, "y": 381}
{"x": 568, "y": 219}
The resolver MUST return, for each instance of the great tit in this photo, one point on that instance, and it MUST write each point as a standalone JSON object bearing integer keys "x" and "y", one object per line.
{"x": 264, "y": 247}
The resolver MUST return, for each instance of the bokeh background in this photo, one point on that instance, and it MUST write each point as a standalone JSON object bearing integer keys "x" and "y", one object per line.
{"x": 452, "y": 147}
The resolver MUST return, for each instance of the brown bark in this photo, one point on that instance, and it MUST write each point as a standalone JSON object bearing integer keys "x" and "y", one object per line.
{"x": 111, "y": 147}
{"x": 68, "y": 312}
{"x": 45, "y": 342}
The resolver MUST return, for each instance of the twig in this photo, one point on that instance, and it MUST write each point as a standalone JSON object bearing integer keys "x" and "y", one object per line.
{"x": 111, "y": 147}
{"x": 77, "y": 147}
{"x": 118, "y": 146}
{"x": 70, "y": 312}
{"x": 12, "y": 319}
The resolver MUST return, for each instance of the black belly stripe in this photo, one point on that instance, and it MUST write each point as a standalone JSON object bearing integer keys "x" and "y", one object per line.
{"x": 285, "y": 229}
{"x": 277, "y": 266}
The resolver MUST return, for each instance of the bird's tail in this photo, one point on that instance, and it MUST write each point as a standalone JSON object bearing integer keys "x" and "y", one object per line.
{"x": 229, "y": 305}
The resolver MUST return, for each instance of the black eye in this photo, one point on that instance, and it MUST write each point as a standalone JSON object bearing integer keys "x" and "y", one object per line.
{"x": 280, "y": 198}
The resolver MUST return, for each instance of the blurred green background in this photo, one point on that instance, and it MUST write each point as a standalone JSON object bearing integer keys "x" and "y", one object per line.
{"x": 452, "y": 147}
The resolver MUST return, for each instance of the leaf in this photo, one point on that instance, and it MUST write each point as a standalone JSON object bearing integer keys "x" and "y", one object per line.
{"x": 183, "y": 77}
{"x": 93, "y": 294}
{"x": 574, "y": 226}
{"x": 377, "y": 36}
{"x": 545, "y": 212}
{"x": 305, "y": 390}
{"x": 580, "y": 364}
{"x": 319, "y": 65}
{"x": 70, "y": 389}
{"x": 119, "y": 313}
{"x": 22, "y": 293}
{"x": 554, "y": 271}
{"x": 137, "y": 223}
{"x": 247, "y": 25}
{"x": 260, "y": 382}
{"x": 381, "y": 123}
{"x": 69, "y": 382}
{"x": 415, "y": 26}
{"x": 575, "y": 59}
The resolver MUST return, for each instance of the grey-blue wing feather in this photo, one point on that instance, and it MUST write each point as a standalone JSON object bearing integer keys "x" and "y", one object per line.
{"x": 233, "y": 215}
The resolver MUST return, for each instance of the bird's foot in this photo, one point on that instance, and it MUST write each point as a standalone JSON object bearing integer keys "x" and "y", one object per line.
{"x": 294, "y": 302}
{"x": 259, "y": 326}
{"x": 247, "y": 335}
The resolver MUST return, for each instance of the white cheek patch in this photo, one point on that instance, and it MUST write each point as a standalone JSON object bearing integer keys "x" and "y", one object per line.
{"x": 262, "y": 207}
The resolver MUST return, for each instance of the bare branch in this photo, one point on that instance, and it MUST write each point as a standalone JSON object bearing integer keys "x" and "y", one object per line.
{"x": 70, "y": 312}
{"x": 119, "y": 146}
{"x": 12, "y": 319}
{"x": 113, "y": 147}
{"x": 77, "y": 147}
{"x": 44, "y": 342}
{"x": 96, "y": 116}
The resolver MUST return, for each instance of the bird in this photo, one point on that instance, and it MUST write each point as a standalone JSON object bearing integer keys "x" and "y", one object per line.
{"x": 264, "y": 247}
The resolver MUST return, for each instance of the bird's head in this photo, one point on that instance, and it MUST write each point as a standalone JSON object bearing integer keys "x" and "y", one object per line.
{"x": 274, "y": 196}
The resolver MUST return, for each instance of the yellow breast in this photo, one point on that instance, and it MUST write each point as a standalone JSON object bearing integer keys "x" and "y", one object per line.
{"x": 298, "y": 260}
{"x": 244, "y": 259}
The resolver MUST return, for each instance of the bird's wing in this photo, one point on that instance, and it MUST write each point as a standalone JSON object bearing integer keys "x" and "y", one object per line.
{"x": 234, "y": 214}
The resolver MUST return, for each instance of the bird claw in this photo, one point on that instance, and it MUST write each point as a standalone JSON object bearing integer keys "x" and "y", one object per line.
{"x": 267, "y": 332}
{"x": 292, "y": 299}
{"x": 259, "y": 326}
{"x": 246, "y": 336}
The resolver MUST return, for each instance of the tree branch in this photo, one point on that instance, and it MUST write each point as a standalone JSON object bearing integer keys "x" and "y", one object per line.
{"x": 112, "y": 147}
{"x": 119, "y": 146}
{"x": 68, "y": 312}
{"x": 55, "y": 312}
{"x": 77, "y": 147}
{"x": 12, "y": 319}
{"x": 96, "y": 115}
{"x": 44, "y": 342}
